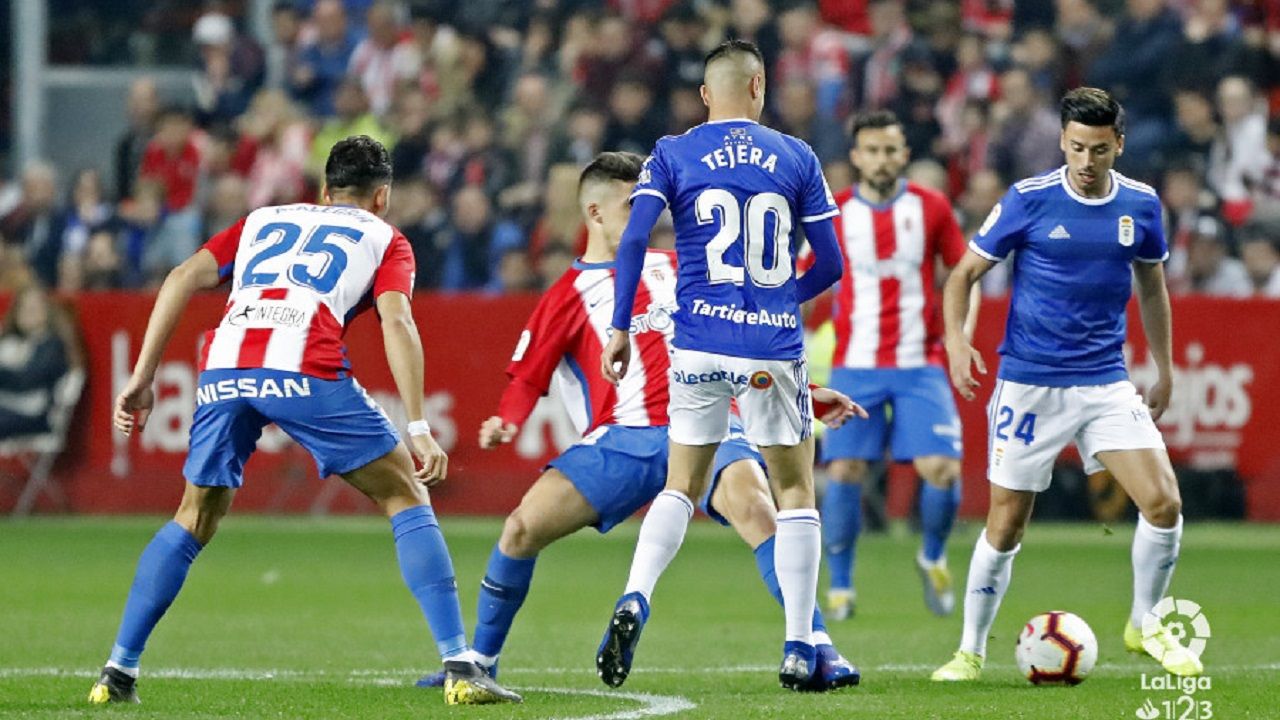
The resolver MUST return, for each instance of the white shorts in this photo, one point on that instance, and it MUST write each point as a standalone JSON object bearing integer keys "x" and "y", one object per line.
{"x": 773, "y": 398}
{"x": 1029, "y": 425}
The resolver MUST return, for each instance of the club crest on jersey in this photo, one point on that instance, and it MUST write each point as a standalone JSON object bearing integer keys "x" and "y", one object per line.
{"x": 761, "y": 380}
{"x": 1126, "y": 230}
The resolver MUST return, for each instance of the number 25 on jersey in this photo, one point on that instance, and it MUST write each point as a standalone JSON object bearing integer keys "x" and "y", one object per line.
{"x": 755, "y": 237}
{"x": 321, "y": 242}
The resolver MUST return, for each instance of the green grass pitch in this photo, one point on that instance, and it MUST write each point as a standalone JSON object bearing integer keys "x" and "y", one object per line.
{"x": 295, "y": 618}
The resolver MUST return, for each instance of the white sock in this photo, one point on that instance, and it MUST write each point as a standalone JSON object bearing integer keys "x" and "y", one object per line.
{"x": 1155, "y": 552}
{"x": 661, "y": 534}
{"x": 989, "y": 574}
{"x": 820, "y": 637}
{"x": 130, "y": 671}
{"x": 797, "y": 551}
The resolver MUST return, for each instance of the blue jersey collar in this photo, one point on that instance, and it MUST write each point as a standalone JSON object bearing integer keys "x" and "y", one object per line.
{"x": 1111, "y": 194}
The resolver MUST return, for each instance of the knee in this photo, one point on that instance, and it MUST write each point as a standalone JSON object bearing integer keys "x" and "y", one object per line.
{"x": 519, "y": 539}
{"x": 1163, "y": 510}
{"x": 938, "y": 471}
{"x": 200, "y": 519}
{"x": 849, "y": 472}
{"x": 1003, "y": 534}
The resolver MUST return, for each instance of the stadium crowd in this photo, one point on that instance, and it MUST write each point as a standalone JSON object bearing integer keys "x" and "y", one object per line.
{"x": 491, "y": 107}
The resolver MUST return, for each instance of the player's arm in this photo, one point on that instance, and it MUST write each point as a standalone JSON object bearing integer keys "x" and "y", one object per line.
{"x": 957, "y": 301}
{"x": 828, "y": 264}
{"x": 543, "y": 342}
{"x": 404, "y": 356}
{"x": 198, "y": 272}
{"x": 1157, "y": 323}
{"x": 645, "y": 210}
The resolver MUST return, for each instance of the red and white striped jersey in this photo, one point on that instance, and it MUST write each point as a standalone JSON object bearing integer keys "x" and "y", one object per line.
{"x": 886, "y": 312}
{"x": 299, "y": 274}
{"x": 564, "y": 338}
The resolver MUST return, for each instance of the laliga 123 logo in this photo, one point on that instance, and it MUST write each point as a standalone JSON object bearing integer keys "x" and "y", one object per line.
{"x": 1185, "y": 622}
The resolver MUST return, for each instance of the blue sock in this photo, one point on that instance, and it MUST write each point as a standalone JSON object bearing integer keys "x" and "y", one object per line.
{"x": 428, "y": 571}
{"x": 161, "y": 572}
{"x": 502, "y": 592}
{"x": 764, "y": 563}
{"x": 937, "y": 515}
{"x": 841, "y": 524}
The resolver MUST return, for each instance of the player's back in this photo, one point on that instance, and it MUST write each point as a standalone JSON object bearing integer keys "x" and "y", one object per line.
{"x": 299, "y": 274}
{"x": 737, "y": 192}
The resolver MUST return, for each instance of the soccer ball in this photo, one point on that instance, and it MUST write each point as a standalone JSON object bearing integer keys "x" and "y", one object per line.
{"x": 1056, "y": 648}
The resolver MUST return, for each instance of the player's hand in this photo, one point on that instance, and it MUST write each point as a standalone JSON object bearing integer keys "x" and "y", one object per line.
{"x": 494, "y": 432}
{"x": 963, "y": 358}
{"x": 432, "y": 461}
{"x": 1158, "y": 396}
{"x": 833, "y": 407}
{"x": 133, "y": 406}
{"x": 616, "y": 356}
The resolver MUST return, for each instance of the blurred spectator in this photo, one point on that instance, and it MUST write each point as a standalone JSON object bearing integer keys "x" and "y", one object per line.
{"x": 538, "y": 49}
{"x": 419, "y": 214}
{"x": 528, "y": 131}
{"x": 475, "y": 241}
{"x": 614, "y": 50}
{"x": 409, "y": 121}
{"x": 554, "y": 261}
{"x": 680, "y": 41}
{"x": 484, "y": 164}
{"x": 973, "y": 79}
{"x": 798, "y": 116}
{"x": 918, "y": 97}
{"x": 1038, "y": 52}
{"x": 34, "y": 226}
{"x": 1261, "y": 257}
{"x": 34, "y": 354}
{"x": 384, "y": 59}
{"x": 810, "y": 52}
{"x": 87, "y": 212}
{"x": 286, "y": 41}
{"x": 633, "y": 126}
{"x": 1238, "y": 158}
{"x": 1211, "y": 270}
{"x": 890, "y": 37}
{"x": 984, "y": 190}
{"x": 1132, "y": 67}
{"x": 172, "y": 163}
{"x": 103, "y": 267}
{"x": 228, "y": 202}
{"x": 477, "y": 75}
{"x": 1083, "y": 34}
{"x": 929, "y": 173}
{"x": 322, "y": 63}
{"x": 582, "y": 137}
{"x": 352, "y": 117}
{"x": 515, "y": 273}
{"x": 231, "y": 69}
{"x": 1197, "y": 129}
{"x": 273, "y": 151}
{"x": 1266, "y": 190}
{"x": 1185, "y": 201}
{"x": 752, "y": 20}
{"x": 1211, "y": 46}
{"x": 142, "y": 107}
{"x": 1027, "y": 130}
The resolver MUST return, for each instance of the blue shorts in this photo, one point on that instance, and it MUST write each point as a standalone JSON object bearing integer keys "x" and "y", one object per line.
{"x": 621, "y": 469}
{"x": 912, "y": 410}
{"x": 334, "y": 420}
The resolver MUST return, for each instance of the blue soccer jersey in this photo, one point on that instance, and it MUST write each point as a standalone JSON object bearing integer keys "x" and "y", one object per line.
{"x": 737, "y": 192}
{"x": 1072, "y": 275}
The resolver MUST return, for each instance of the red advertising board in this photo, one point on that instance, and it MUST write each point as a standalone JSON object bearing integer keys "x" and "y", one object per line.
{"x": 1226, "y": 362}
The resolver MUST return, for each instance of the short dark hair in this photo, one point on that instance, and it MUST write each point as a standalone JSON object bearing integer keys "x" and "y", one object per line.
{"x": 1094, "y": 107}
{"x": 733, "y": 47}
{"x": 622, "y": 166}
{"x": 357, "y": 164}
{"x": 871, "y": 120}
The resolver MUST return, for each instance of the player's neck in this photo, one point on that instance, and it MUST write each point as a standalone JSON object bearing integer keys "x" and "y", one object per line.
{"x": 598, "y": 250}
{"x": 1100, "y": 191}
{"x": 872, "y": 194}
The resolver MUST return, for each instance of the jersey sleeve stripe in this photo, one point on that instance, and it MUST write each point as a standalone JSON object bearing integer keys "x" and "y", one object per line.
{"x": 978, "y": 250}
{"x": 650, "y": 191}
{"x": 1153, "y": 261}
{"x": 814, "y": 218}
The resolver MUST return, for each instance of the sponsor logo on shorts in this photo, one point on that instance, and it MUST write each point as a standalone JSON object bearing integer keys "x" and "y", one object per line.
{"x": 687, "y": 378}
{"x": 761, "y": 380}
{"x": 734, "y": 314}
{"x": 248, "y": 387}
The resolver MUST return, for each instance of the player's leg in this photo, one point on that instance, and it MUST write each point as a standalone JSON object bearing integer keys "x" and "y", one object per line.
{"x": 740, "y": 497}
{"x": 1122, "y": 438}
{"x": 926, "y": 429}
{"x": 551, "y": 509}
{"x": 847, "y": 450}
{"x": 1029, "y": 426}
{"x": 223, "y": 435}
{"x": 777, "y": 413}
{"x": 349, "y": 436}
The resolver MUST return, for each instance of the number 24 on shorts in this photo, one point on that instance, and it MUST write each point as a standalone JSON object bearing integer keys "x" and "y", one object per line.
{"x": 1025, "y": 431}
